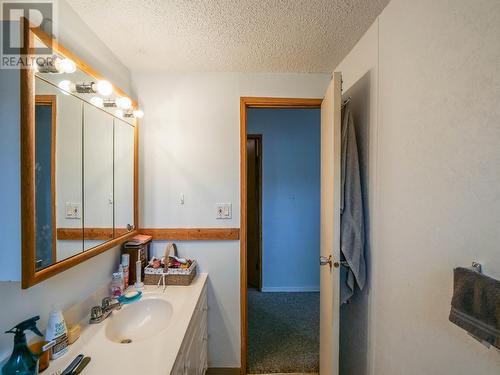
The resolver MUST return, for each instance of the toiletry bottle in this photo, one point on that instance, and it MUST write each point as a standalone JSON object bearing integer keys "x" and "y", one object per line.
{"x": 22, "y": 360}
{"x": 117, "y": 285}
{"x": 120, "y": 271}
{"x": 125, "y": 265}
{"x": 57, "y": 331}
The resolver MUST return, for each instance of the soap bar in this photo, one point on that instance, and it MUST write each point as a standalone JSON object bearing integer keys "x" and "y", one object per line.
{"x": 131, "y": 294}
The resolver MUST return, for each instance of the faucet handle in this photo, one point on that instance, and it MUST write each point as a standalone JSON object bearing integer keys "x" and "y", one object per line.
{"x": 96, "y": 313}
{"x": 106, "y": 302}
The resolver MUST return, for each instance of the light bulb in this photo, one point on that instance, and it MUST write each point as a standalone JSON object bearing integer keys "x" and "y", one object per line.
{"x": 104, "y": 88}
{"x": 97, "y": 101}
{"x": 66, "y": 86}
{"x": 138, "y": 113}
{"x": 65, "y": 65}
{"x": 124, "y": 102}
{"x": 119, "y": 113}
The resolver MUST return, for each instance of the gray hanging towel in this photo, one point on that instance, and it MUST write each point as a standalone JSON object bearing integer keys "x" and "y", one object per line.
{"x": 475, "y": 305}
{"x": 352, "y": 228}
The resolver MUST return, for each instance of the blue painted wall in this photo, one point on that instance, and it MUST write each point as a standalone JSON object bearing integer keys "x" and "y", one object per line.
{"x": 10, "y": 167}
{"x": 290, "y": 197}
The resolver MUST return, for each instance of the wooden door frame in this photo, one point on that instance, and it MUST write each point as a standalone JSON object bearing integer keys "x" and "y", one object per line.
{"x": 245, "y": 103}
{"x": 258, "y": 137}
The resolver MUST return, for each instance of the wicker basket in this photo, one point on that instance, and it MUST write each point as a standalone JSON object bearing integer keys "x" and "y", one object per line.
{"x": 153, "y": 276}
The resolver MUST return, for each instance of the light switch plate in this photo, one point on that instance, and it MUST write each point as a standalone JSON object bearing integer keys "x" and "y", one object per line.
{"x": 224, "y": 210}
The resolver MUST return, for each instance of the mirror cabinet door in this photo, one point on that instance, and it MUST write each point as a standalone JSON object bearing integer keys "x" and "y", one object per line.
{"x": 78, "y": 180}
{"x": 98, "y": 197}
{"x": 58, "y": 175}
{"x": 124, "y": 177}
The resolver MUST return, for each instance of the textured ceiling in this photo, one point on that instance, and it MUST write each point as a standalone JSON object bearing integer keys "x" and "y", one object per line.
{"x": 230, "y": 35}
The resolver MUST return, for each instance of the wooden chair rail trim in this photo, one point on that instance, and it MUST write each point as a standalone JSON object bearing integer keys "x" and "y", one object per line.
{"x": 77, "y": 234}
{"x": 192, "y": 234}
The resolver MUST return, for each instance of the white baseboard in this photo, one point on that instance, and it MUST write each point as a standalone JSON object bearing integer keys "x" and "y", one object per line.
{"x": 290, "y": 289}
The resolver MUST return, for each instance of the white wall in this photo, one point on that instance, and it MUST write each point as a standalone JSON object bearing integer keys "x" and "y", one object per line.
{"x": 437, "y": 196}
{"x": 189, "y": 143}
{"x": 76, "y": 283}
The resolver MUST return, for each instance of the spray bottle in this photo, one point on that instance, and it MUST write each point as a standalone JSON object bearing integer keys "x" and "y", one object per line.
{"x": 22, "y": 360}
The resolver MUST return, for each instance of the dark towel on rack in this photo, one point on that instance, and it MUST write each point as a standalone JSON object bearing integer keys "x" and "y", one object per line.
{"x": 475, "y": 305}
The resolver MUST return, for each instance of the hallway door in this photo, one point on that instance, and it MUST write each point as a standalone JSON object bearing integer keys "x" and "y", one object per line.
{"x": 254, "y": 227}
{"x": 330, "y": 227}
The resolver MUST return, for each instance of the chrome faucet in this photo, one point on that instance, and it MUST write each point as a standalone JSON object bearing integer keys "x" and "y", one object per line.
{"x": 100, "y": 313}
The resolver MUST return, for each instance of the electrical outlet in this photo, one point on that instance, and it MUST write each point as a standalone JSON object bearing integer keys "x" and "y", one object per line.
{"x": 73, "y": 210}
{"x": 223, "y": 210}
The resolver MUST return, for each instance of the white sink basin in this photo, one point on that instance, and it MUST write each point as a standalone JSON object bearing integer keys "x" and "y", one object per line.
{"x": 138, "y": 321}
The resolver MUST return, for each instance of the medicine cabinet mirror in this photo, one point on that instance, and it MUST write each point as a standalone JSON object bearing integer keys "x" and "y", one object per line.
{"x": 79, "y": 162}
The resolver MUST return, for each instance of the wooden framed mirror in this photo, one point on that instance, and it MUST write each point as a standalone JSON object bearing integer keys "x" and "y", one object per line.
{"x": 79, "y": 161}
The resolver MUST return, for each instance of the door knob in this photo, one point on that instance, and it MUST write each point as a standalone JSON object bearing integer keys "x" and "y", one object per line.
{"x": 323, "y": 261}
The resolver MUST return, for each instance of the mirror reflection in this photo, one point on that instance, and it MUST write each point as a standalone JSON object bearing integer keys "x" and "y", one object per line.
{"x": 124, "y": 176}
{"x": 84, "y": 175}
{"x": 97, "y": 176}
{"x": 58, "y": 174}
{"x": 45, "y": 113}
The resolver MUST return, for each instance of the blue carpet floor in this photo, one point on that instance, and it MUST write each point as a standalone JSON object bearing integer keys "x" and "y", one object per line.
{"x": 283, "y": 332}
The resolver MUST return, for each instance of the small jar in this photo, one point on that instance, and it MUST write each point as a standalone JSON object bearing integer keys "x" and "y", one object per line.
{"x": 117, "y": 284}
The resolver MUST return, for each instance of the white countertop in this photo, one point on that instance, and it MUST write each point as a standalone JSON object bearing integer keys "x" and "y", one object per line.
{"x": 154, "y": 355}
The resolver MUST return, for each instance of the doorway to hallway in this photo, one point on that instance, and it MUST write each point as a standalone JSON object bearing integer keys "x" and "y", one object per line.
{"x": 283, "y": 231}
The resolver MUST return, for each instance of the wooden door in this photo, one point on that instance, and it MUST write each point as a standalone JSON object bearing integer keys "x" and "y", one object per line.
{"x": 254, "y": 177}
{"x": 330, "y": 227}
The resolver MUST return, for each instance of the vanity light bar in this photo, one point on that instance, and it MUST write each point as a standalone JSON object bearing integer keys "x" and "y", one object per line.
{"x": 102, "y": 87}
{"x": 45, "y": 64}
{"x": 133, "y": 114}
{"x": 122, "y": 103}
{"x": 54, "y": 64}
{"x": 109, "y": 103}
{"x": 85, "y": 88}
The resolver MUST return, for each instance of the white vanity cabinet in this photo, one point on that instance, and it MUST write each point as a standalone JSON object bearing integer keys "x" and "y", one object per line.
{"x": 192, "y": 357}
